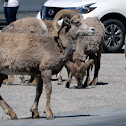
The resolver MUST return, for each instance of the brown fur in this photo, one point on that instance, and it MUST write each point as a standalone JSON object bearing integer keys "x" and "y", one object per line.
{"x": 26, "y": 51}
{"x": 31, "y": 25}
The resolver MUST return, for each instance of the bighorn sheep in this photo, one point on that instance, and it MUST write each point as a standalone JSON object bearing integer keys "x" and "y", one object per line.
{"x": 40, "y": 56}
{"x": 29, "y": 25}
{"x": 87, "y": 47}
{"x": 77, "y": 68}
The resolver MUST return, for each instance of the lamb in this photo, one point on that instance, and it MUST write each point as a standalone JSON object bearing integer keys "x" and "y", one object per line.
{"x": 91, "y": 47}
{"x": 40, "y": 56}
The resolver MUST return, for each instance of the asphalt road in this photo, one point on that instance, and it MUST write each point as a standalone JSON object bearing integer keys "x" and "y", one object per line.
{"x": 112, "y": 118}
{"x": 112, "y": 75}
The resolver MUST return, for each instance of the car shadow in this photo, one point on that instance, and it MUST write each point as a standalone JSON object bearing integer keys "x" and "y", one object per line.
{"x": 121, "y": 51}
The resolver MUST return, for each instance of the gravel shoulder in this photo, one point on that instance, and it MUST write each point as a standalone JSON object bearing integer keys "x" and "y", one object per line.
{"x": 108, "y": 95}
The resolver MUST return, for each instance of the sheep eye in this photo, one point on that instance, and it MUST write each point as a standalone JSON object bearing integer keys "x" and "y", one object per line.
{"x": 78, "y": 24}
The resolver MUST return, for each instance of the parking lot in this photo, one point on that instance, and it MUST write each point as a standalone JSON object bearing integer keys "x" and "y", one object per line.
{"x": 109, "y": 95}
{"x": 100, "y": 105}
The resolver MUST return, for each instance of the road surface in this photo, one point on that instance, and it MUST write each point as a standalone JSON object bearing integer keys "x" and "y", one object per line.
{"x": 102, "y": 105}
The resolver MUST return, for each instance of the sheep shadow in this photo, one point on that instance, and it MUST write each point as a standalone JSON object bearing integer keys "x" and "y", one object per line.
{"x": 90, "y": 86}
{"x": 62, "y": 116}
{"x": 57, "y": 80}
{"x": 102, "y": 83}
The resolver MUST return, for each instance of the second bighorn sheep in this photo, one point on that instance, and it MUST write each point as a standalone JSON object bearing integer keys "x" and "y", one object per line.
{"x": 87, "y": 47}
{"x": 40, "y": 56}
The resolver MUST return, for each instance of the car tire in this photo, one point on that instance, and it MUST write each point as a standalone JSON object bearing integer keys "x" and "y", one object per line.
{"x": 114, "y": 35}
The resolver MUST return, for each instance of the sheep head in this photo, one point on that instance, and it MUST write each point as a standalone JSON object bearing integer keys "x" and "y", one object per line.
{"x": 74, "y": 21}
{"x": 78, "y": 67}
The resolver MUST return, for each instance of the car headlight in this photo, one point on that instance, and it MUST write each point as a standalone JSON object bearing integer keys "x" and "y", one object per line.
{"x": 86, "y": 8}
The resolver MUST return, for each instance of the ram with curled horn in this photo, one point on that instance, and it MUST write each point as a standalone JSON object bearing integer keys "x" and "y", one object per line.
{"x": 37, "y": 27}
{"x": 71, "y": 18}
{"x": 38, "y": 56}
{"x": 66, "y": 15}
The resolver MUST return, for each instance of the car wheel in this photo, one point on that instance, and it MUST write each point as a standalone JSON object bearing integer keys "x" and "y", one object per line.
{"x": 114, "y": 35}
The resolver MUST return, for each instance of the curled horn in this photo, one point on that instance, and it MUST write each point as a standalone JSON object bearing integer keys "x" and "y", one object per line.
{"x": 86, "y": 65}
{"x": 62, "y": 14}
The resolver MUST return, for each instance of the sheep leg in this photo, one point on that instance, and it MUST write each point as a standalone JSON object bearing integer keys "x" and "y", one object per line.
{"x": 22, "y": 79}
{"x": 32, "y": 81}
{"x": 87, "y": 67}
{"x": 11, "y": 79}
{"x": 67, "y": 85}
{"x": 8, "y": 110}
{"x": 87, "y": 81}
{"x": 39, "y": 88}
{"x": 69, "y": 80}
{"x": 59, "y": 77}
{"x": 47, "y": 74}
{"x": 97, "y": 67}
{"x": 5, "y": 80}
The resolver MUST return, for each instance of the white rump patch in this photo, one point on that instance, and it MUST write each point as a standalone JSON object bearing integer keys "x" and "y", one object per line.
{"x": 42, "y": 24}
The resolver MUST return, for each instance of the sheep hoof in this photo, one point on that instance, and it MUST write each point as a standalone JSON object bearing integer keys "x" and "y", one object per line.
{"x": 67, "y": 85}
{"x": 35, "y": 115}
{"x": 14, "y": 118}
{"x": 76, "y": 87}
{"x": 5, "y": 81}
{"x": 79, "y": 87}
{"x": 60, "y": 83}
{"x": 84, "y": 86}
{"x": 9, "y": 83}
{"x": 94, "y": 82}
{"x": 50, "y": 117}
{"x": 92, "y": 85}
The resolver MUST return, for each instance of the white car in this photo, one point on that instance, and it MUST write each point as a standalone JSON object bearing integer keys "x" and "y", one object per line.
{"x": 111, "y": 12}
